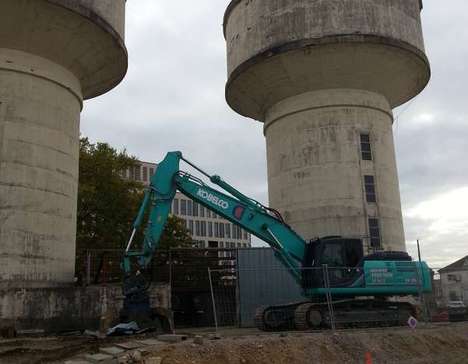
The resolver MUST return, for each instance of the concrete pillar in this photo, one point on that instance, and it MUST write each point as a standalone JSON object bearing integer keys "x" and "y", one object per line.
{"x": 320, "y": 74}
{"x": 315, "y": 169}
{"x": 39, "y": 131}
{"x": 53, "y": 55}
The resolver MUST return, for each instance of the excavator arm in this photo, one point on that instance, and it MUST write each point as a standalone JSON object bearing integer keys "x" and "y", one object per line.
{"x": 231, "y": 204}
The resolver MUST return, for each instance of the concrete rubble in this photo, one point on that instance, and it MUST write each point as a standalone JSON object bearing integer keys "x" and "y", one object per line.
{"x": 133, "y": 351}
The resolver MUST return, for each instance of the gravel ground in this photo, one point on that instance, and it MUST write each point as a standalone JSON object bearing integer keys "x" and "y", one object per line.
{"x": 444, "y": 343}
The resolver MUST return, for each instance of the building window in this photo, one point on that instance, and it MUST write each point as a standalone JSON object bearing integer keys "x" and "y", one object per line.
{"x": 195, "y": 209}
{"x": 454, "y": 278}
{"x": 216, "y": 230}
{"x": 190, "y": 208}
{"x": 210, "y": 229}
{"x": 213, "y": 244}
{"x": 228, "y": 230}
{"x": 221, "y": 244}
{"x": 137, "y": 174}
{"x": 183, "y": 207}
{"x": 221, "y": 230}
{"x": 245, "y": 235}
{"x": 374, "y": 232}
{"x": 190, "y": 227}
{"x": 203, "y": 228}
{"x": 369, "y": 184}
{"x": 208, "y": 213}
{"x": 366, "y": 150}
{"x": 176, "y": 206}
{"x": 145, "y": 174}
{"x": 151, "y": 172}
{"x": 197, "y": 228}
{"x": 202, "y": 211}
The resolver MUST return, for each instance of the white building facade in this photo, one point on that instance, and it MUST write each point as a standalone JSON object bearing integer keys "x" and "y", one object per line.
{"x": 454, "y": 281}
{"x": 208, "y": 229}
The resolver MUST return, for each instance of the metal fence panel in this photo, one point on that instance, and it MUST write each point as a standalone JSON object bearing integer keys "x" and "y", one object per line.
{"x": 262, "y": 281}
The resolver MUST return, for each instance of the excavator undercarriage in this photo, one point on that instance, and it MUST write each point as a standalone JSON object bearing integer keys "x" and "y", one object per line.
{"x": 349, "y": 313}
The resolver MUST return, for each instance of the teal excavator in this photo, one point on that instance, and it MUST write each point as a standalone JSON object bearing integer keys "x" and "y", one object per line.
{"x": 334, "y": 273}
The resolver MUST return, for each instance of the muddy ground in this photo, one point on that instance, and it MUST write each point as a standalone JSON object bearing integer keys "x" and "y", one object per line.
{"x": 446, "y": 343}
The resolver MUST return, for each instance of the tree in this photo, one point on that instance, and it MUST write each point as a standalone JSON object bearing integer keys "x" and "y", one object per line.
{"x": 175, "y": 234}
{"x": 109, "y": 203}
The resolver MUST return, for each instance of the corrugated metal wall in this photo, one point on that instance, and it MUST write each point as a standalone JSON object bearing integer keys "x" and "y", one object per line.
{"x": 262, "y": 281}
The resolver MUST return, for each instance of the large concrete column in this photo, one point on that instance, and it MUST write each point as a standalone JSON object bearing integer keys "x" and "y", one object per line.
{"x": 321, "y": 75}
{"x": 53, "y": 54}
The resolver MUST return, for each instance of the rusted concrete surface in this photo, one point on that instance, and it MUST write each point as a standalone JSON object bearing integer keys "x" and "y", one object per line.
{"x": 318, "y": 74}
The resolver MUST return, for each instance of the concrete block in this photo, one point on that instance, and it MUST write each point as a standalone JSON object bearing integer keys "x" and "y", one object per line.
{"x": 150, "y": 342}
{"x": 172, "y": 338}
{"x": 130, "y": 345}
{"x": 100, "y": 358}
{"x": 113, "y": 351}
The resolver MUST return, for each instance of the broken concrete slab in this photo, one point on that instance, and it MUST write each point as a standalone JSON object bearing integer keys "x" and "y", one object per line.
{"x": 99, "y": 358}
{"x": 113, "y": 351}
{"x": 149, "y": 342}
{"x": 31, "y": 332}
{"x": 129, "y": 345}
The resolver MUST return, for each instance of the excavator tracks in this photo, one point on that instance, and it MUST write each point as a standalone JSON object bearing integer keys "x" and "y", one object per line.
{"x": 352, "y": 313}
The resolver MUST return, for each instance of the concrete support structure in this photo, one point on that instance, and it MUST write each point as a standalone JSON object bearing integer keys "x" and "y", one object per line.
{"x": 53, "y": 54}
{"x": 322, "y": 76}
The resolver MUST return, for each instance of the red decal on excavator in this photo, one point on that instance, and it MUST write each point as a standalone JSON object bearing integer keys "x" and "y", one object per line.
{"x": 239, "y": 212}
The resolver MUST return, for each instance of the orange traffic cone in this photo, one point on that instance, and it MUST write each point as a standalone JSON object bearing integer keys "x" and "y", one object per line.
{"x": 368, "y": 358}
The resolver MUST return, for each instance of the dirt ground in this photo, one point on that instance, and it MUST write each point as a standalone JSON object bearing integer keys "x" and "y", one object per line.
{"x": 446, "y": 344}
{"x": 443, "y": 343}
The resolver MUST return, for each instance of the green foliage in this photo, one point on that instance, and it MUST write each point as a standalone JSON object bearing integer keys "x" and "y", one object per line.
{"x": 175, "y": 234}
{"x": 108, "y": 203}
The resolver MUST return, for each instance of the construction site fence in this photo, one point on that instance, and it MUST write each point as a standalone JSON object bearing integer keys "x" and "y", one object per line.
{"x": 216, "y": 287}
{"x": 178, "y": 266}
{"x": 236, "y": 294}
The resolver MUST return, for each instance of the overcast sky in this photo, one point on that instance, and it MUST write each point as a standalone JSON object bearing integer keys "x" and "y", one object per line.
{"x": 173, "y": 99}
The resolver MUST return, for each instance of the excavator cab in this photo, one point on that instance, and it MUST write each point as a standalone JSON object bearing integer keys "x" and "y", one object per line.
{"x": 341, "y": 256}
{"x": 343, "y": 259}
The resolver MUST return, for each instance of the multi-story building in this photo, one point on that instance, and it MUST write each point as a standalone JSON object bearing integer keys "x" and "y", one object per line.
{"x": 454, "y": 281}
{"x": 208, "y": 229}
